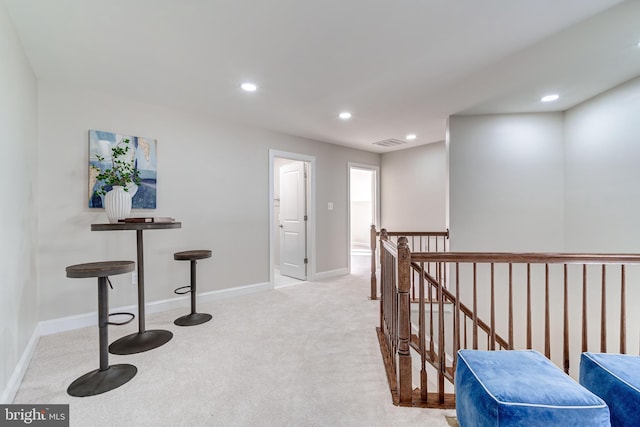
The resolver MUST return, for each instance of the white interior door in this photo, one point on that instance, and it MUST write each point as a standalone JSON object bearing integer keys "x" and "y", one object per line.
{"x": 293, "y": 216}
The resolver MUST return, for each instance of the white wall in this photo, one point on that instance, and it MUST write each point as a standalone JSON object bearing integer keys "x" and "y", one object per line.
{"x": 602, "y": 146}
{"x": 506, "y": 182}
{"x": 551, "y": 181}
{"x": 18, "y": 225}
{"x": 413, "y": 187}
{"x": 212, "y": 176}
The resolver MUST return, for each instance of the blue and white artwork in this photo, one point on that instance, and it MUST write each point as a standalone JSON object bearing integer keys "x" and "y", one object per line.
{"x": 143, "y": 154}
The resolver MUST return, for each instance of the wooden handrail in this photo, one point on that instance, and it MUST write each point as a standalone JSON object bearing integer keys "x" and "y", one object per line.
{"x": 525, "y": 258}
{"x": 419, "y": 233}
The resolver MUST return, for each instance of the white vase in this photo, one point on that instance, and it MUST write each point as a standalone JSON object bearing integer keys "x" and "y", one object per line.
{"x": 117, "y": 204}
{"x": 132, "y": 189}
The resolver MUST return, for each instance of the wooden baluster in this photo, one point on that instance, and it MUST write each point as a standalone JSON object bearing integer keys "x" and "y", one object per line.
{"x": 383, "y": 287}
{"x": 404, "y": 327}
{"x": 529, "y": 306}
{"x": 392, "y": 302}
{"x": 388, "y": 313}
{"x": 475, "y": 308}
{"x": 374, "y": 285}
{"x": 456, "y": 319}
{"x": 466, "y": 319}
{"x": 603, "y": 312}
{"x": 437, "y": 266}
{"x": 510, "y": 306}
{"x": 444, "y": 277}
{"x": 422, "y": 338}
{"x": 429, "y": 250}
{"x": 384, "y": 294}
{"x": 392, "y": 305}
{"x": 431, "y": 343}
{"x": 413, "y": 286}
{"x": 585, "y": 335}
{"x": 385, "y": 278}
{"x": 623, "y": 312}
{"x": 547, "y": 324}
{"x": 442, "y": 358}
{"x": 565, "y": 333}
{"x": 492, "y": 327}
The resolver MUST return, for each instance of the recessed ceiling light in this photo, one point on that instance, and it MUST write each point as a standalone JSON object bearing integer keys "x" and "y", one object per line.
{"x": 249, "y": 87}
{"x": 411, "y": 136}
{"x": 550, "y": 98}
{"x": 345, "y": 115}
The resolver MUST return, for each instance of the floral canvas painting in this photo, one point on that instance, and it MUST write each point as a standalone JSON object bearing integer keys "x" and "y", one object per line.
{"x": 142, "y": 152}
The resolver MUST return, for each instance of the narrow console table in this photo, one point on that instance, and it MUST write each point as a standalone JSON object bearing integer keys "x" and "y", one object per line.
{"x": 142, "y": 340}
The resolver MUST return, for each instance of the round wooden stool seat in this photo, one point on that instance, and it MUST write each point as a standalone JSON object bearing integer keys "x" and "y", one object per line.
{"x": 191, "y": 255}
{"x": 100, "y": 269}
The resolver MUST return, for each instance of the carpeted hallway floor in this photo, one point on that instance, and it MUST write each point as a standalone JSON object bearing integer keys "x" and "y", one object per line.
{"x": 305, "y": 355}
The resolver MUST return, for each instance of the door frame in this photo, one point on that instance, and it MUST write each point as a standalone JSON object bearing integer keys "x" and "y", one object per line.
{"x": 311, "y": 211}
{"x": 376, "y": 202}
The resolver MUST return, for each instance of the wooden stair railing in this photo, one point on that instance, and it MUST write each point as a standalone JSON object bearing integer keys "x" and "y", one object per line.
{"x": 389, "y": 335}
{"x": 532, "y": 298}
{"x": 418, "y": 241}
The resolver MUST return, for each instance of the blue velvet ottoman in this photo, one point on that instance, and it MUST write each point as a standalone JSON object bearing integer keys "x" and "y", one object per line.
{"x": 616, "y": 379}
{"x": 521, "y": 388}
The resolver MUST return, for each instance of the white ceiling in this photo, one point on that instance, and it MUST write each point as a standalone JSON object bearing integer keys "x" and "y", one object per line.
{"x": 400, "y": 66}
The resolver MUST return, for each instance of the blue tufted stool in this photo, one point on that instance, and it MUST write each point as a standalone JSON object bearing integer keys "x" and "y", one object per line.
{"x": 107, "y": 377}
{"x": 521, "y": 388}
{"x": 192, "y": 318}
{"x": 616, "y": 379}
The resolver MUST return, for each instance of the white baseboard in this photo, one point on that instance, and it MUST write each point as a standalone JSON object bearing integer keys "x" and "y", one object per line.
{"x": 288, "y": 285}
{"x": 10, "y": 391}
{"x": 69, "y": 323}
{"x": 234, "y": 292}
{"x": 331, "y": 273}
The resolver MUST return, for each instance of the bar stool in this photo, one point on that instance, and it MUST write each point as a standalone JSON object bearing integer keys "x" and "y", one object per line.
{"x": 107, "y": 377}
{"x": 193, "y": 318}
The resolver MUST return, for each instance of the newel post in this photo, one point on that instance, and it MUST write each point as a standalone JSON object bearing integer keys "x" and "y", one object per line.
{"x": 404, "y": 319}
{"x": 374, "y": 285}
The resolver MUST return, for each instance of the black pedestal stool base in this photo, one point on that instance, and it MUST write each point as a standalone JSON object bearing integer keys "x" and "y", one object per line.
{"x": 192, "y": 318}
{"x": 140, "y": 341}
{"x": 98, "y": 382}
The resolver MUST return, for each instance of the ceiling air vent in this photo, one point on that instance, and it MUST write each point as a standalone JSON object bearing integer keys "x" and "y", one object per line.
{"x": 391, "y": 142}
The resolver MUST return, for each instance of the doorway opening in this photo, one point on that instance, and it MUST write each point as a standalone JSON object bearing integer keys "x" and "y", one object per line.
{"x": 364, "y": 209}
{"x": 292, "y": 226}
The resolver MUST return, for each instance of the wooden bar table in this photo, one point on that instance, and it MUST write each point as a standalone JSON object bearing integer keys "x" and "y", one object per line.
{"x": 144, "y": 339}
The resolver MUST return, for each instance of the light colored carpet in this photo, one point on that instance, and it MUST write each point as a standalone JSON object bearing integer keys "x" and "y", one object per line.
{"x": 305, "y": 355}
